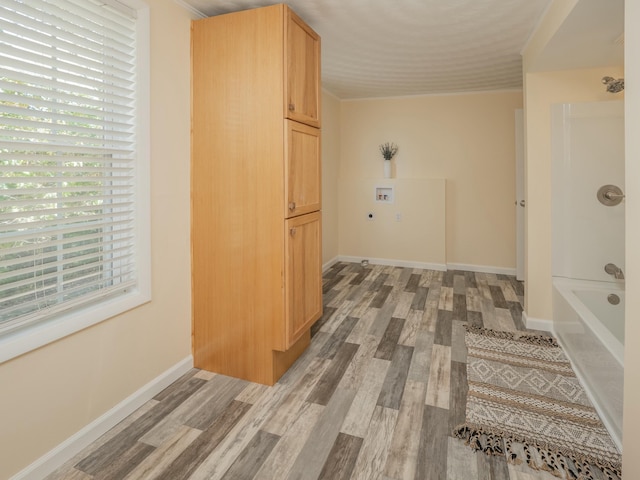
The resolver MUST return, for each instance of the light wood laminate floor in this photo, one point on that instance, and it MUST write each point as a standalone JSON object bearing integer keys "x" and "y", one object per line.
{"x": 376, "y": 395}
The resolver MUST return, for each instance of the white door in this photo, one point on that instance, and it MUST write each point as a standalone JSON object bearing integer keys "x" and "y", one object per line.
{"x": 519, "y": 204}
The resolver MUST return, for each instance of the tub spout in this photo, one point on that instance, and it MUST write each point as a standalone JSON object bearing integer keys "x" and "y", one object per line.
{"x": 614, "y": 270}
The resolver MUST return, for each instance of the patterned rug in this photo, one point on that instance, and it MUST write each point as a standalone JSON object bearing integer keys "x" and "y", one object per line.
{"x": 525, "y": 402}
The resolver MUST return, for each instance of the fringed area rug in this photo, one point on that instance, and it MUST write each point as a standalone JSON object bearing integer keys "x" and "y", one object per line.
{"x": 525, "y": 402}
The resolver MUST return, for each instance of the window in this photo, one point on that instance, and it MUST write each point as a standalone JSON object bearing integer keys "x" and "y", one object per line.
{"x": 74, "y": 234}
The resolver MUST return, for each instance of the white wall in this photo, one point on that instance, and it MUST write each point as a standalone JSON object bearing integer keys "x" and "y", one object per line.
{"x": 587, "y": 153}
{"x": 631, "y": 459}
{"x": 51, "y": 393}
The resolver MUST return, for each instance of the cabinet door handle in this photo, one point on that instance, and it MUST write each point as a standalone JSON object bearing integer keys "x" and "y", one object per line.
{"x": 292, "y": 206}
{"x": 292, "y": 231}
{"x": 292, "y": 107}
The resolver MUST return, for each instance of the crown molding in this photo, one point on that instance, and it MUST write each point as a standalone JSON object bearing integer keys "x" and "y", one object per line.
{"x": 191, "y": 9}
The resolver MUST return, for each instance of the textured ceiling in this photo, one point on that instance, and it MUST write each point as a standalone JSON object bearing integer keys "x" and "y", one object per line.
{"x": 386, "y": 48}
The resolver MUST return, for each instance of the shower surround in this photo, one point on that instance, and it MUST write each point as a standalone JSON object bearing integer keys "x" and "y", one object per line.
{"x": 588, "y": 248}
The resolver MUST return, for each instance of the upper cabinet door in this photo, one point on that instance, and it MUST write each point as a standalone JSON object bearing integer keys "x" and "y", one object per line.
{"x": 302, "y": 61}
{"x": 302, "y": 169}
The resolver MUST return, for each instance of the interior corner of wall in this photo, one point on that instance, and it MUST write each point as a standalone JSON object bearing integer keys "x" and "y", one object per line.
{"x": 548, "y": 24}
{"x": 533, "y": 323}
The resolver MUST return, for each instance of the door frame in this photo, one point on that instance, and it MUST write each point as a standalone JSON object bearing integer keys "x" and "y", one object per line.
{"x": 520, "y": 195}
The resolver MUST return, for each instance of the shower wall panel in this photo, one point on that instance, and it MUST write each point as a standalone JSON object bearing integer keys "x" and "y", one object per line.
{"x": 588, "y": 152}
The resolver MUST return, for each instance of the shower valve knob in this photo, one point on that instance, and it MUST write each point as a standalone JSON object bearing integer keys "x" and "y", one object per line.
{"x": 610, "y": 195}
{"x": 613, "y": 196}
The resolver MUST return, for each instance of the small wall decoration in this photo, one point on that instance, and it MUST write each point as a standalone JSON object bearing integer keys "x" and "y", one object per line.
{"x": 388, "y": 150}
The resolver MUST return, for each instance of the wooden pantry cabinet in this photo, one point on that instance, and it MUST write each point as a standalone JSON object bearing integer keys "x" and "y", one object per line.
{"x": 256, "y": 195}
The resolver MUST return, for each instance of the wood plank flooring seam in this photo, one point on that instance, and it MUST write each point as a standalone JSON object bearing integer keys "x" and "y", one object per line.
{"x": 376, "y": 395}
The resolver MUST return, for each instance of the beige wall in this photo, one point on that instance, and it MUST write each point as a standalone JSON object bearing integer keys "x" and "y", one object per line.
{"x": 469, "y": 140}
{"x": 631, "y": 427}
{"x": 556, "y": 13}
{"x": 51, "y": 393}
{"x": 330, "y": 165}
{"x": 418, "y": 239}
{"x": 542, "y": 90}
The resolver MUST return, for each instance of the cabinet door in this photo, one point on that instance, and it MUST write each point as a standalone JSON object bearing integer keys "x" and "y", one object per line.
{"x": 302, "y": 169}
{"x": 303, "y": 291}
{"x": 302, "y": 82}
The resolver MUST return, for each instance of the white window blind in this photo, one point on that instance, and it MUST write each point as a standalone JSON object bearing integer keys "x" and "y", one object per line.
{"x": 67, "y": 156}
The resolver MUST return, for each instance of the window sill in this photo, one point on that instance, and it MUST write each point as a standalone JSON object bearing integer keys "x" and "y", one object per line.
{"x": 25, "y": 340}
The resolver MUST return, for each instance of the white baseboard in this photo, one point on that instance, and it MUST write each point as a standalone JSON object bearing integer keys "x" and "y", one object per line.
{"x": 481, "y": 268}
{"x": 329, "y": 264}
{"x": 429, "y": 266}
{"x": 56, "y": 457}
{"x": 394, "y": 263}
{"x": 537, "y": 323}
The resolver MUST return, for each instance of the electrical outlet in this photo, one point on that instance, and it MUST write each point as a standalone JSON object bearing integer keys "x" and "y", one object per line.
{"x": 398, "y": 217}
{"x": 371, "y": 216}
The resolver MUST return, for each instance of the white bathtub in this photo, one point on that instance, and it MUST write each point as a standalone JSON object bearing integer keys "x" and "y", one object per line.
{"x": 591, "y": 331}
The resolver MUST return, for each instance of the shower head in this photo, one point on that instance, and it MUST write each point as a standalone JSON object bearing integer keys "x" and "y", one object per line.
{"x": 613, "y": 85}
